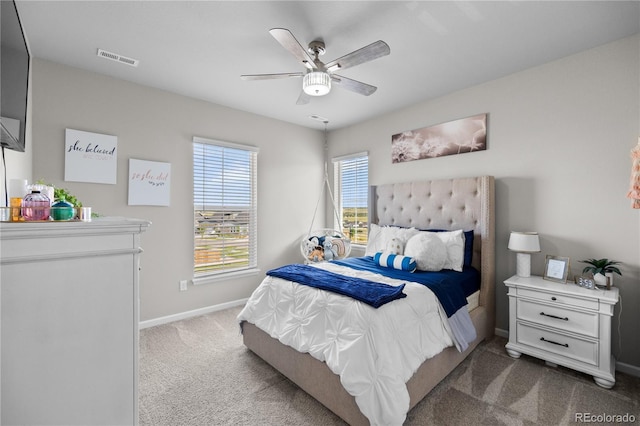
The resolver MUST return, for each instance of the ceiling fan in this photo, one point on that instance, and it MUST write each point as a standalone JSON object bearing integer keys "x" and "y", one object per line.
{"x": 317, "y": 79}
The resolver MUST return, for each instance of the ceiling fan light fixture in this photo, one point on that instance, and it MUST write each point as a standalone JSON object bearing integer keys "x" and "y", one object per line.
{"x": 316, "y": 83}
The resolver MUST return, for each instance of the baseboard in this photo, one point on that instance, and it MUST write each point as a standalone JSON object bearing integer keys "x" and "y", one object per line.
{"x": 502, "y": 333}
{"x": 629, "y": 369}
{"x": 190, "y": 314}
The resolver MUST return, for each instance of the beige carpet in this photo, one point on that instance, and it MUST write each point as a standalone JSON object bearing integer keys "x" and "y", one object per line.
{"x": 197, "y": 372}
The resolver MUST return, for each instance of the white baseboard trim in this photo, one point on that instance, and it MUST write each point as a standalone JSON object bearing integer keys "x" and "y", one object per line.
{"x": 629, "y": 369}
{"x": 190, "y": 314}
{"x": 502, "y": 333}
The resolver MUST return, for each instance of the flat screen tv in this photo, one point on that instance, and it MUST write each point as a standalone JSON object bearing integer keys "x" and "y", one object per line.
{"x": 14, "y": 77}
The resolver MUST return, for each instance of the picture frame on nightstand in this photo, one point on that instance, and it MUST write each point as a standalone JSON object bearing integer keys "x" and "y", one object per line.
{"x": 556, "y": 268}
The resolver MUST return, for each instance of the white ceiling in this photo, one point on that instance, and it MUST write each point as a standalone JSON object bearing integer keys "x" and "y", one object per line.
{"x": 200, "y": 48}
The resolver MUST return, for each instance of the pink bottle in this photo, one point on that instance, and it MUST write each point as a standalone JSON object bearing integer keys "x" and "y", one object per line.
{"x": 36, "y": 206}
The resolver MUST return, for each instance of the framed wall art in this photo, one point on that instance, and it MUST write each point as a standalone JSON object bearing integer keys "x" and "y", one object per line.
{"x": 90, "y": 157}
{"x": 454, "y": 137}
{"x": 149, "y": 183}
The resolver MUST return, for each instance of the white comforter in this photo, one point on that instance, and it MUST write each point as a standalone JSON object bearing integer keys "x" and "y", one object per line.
{"x": 374, "y": 351}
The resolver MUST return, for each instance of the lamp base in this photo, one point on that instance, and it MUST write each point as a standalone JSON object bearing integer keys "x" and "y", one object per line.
{"x": 523, "y": 264}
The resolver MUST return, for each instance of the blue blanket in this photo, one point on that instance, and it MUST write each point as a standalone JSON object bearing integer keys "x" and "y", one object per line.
{"x": 370, "y": 292}
{"x": 446, "y": 288}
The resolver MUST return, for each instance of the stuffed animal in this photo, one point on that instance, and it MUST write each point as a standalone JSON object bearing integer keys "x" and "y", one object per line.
{"x": 308, "y": 246}
{"x": 340, "y": 248}
{"x": 317, "y": 255}
{"x": 328, "y": 249}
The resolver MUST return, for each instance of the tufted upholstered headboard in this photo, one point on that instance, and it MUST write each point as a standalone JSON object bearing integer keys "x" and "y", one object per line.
{"x": 451, "y": 204}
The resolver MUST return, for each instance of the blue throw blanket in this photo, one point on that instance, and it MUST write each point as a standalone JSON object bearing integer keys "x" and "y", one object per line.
{"x": 370, "y": 292}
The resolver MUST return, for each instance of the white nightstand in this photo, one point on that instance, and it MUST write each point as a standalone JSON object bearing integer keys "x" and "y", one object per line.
{"x": 564, "y": 324}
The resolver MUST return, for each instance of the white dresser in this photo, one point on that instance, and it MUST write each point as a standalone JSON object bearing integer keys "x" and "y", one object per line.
{"x": 563, "y": 324}
{"x": 69, "y": 348}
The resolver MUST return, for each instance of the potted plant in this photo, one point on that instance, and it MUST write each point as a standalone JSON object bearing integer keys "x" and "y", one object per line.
{"x": 603, "y": 270}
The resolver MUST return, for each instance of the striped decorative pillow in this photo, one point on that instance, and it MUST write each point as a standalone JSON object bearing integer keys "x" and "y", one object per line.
{"x": 395, "y": 261}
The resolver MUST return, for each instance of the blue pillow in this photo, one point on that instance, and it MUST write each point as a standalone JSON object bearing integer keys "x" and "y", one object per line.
{"x": 395, "y": 261}
{"x": 468, "y": 245}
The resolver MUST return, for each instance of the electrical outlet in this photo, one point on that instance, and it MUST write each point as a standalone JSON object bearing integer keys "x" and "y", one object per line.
{"x": 183, "y": 285}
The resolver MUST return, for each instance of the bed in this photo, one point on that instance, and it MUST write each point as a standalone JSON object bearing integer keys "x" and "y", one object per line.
{"x": 447, "y": 204}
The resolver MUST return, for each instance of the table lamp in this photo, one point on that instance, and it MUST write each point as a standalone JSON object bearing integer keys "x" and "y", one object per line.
{"x": 524, "y": 243}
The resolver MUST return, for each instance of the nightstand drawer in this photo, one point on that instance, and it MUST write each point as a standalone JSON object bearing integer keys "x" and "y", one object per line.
{"x": 559, "y": 298}
{"x": 558, "y": 317}
{"x": 570, "y": 347}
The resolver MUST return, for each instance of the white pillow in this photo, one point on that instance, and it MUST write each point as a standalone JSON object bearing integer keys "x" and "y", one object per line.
{"x": 379, "y": 236}
{"x": 373, "y": 240}
{"x": 394, "y": 246}
{"x": 454, "y": 241}
{"x": 428, "y": 250}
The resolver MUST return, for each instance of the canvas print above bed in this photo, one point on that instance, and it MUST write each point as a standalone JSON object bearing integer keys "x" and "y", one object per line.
{"x": 454, "y": 137}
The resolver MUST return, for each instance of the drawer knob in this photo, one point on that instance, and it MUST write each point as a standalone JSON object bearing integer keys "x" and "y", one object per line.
{"x": 566, "y": 345}
{"x": 555, "y": 317}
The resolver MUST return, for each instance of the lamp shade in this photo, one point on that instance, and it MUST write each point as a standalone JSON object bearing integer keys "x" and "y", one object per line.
{"x": 316, "y": 83}
{"x": 524, "y": 242}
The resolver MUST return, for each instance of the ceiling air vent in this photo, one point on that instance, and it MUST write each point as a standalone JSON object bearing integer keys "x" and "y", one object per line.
{"x": 118, "y": 58}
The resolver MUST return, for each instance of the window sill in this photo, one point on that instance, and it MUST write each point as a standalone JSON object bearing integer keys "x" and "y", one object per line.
{"x": 358, "y": 250}
{"x": 209, "y": 279}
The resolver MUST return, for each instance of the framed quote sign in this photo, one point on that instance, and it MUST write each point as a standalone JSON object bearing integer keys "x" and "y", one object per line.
{"x": 149, "y": 183}
{"x": 90, "y": 157}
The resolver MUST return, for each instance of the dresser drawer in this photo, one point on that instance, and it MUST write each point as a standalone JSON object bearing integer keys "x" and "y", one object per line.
{"x": 558, "y": 317}
{"x": 572, "y": 348}
{"x": 560, "y": 299}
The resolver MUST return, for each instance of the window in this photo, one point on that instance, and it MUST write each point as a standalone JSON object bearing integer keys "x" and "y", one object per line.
{"x": 224, "y": 205}
{"x": 351, "y": 186}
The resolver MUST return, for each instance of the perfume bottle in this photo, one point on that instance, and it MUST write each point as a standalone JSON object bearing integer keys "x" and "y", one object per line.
{"x": 17, "y": 191}
{"x": 36, "y": 206}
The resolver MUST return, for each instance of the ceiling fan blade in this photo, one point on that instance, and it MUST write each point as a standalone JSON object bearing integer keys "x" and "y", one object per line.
{"x": 303, "y": 99}
{"x": 289, "y": 42}
{"x": 368, "y": 53}
{"x": 353, "y": 85}
{"x": 271, "y": 76}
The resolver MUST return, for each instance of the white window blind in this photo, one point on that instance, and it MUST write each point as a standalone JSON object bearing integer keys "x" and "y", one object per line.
{"x": 225, "y": 207}
{"x": 351, "y": 185}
